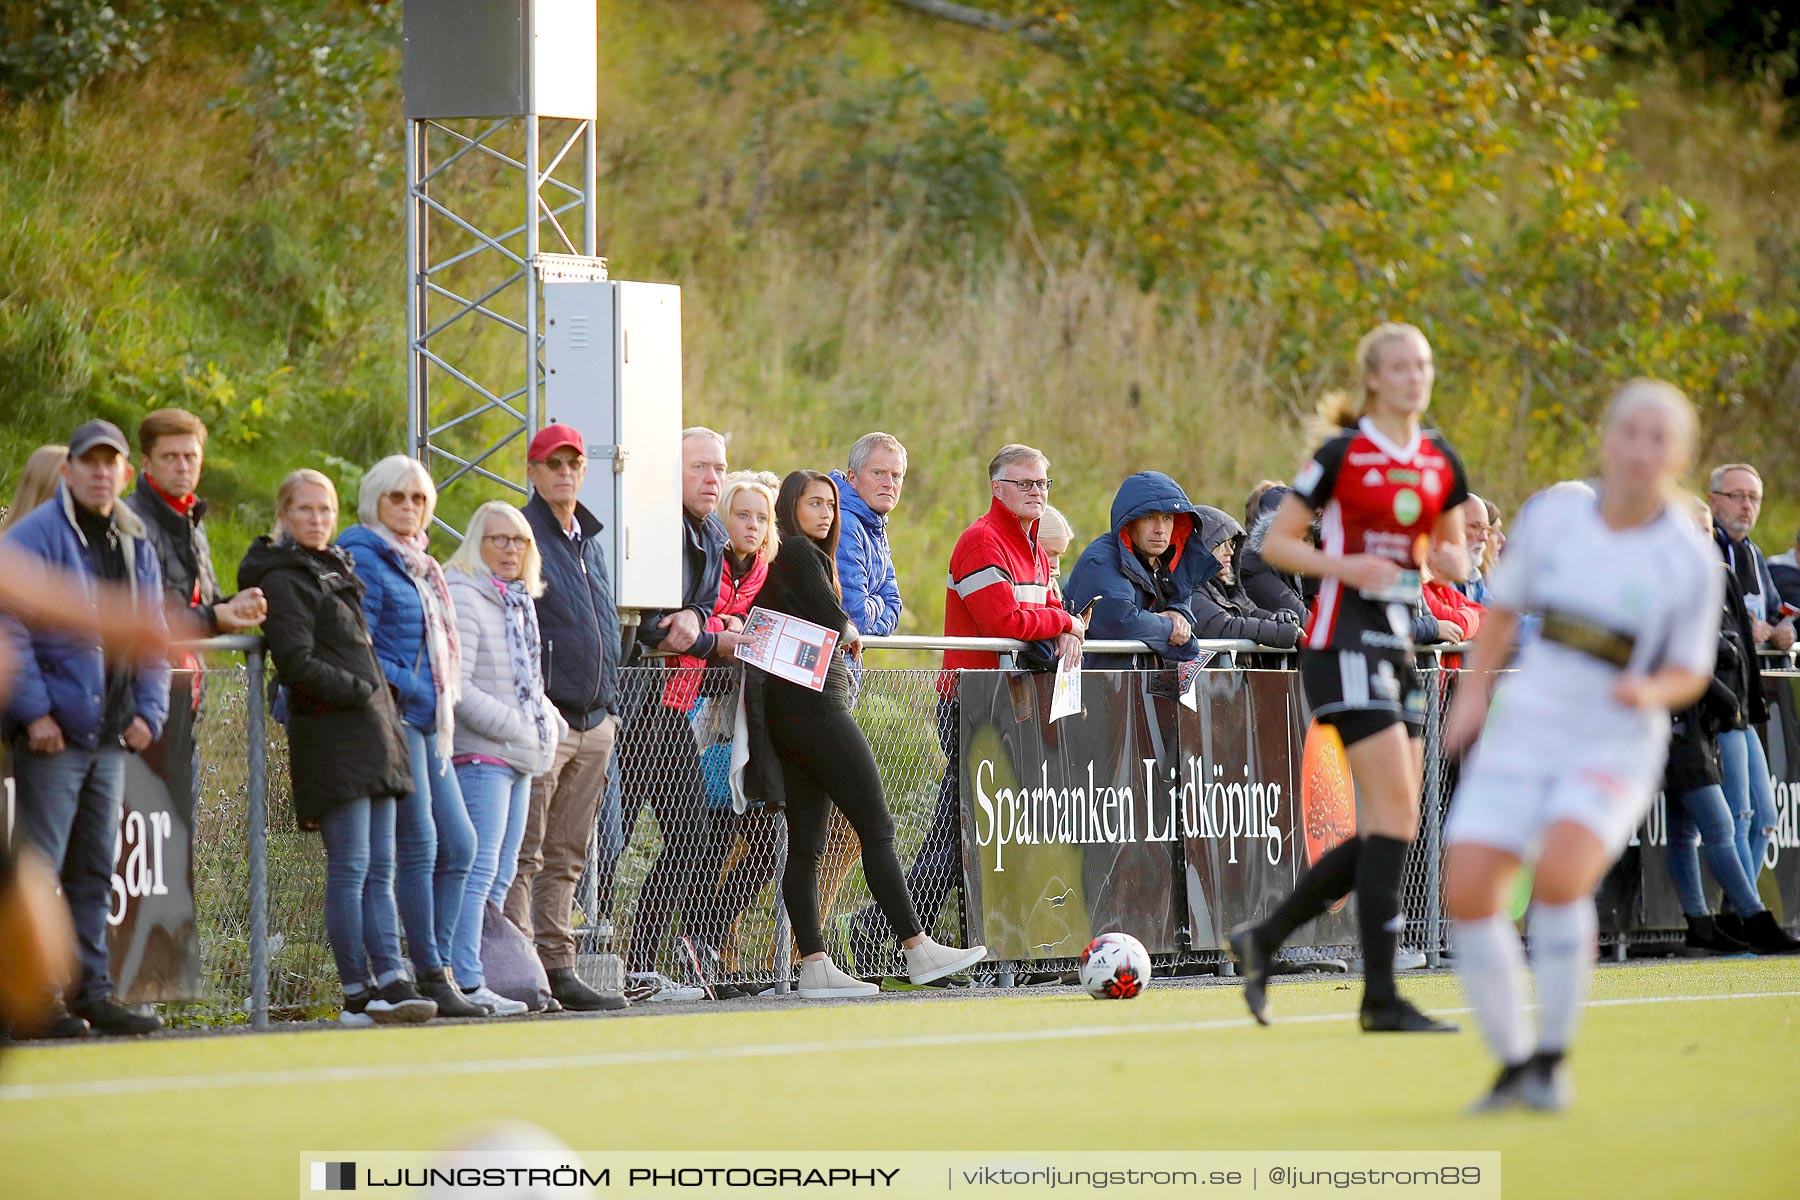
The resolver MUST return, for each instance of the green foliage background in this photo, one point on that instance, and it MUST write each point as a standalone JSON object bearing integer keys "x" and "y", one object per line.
{"x": 1139, "y": 234}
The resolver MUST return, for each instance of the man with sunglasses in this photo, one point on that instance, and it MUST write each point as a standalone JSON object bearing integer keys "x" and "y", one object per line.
{"x": 578, "y": 628}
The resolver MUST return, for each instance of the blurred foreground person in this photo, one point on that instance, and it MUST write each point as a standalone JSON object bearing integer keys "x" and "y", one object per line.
{"x": 1572, "y": 754}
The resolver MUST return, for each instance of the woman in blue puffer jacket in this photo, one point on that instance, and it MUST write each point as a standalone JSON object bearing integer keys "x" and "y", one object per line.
{"x": 413, "y": 625}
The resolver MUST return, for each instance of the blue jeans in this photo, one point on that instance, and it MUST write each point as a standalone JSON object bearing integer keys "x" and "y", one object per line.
{"x": 498, "y": 799}
{"x": 1752, "y": 799}
{"x": 361, "y": 920}
{"x": 436, "y": 846}
{"x": 1703, "y": 816}
{"x": 68, "y": 810}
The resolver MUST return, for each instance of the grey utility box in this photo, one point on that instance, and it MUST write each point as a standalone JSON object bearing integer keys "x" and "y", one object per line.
{"x": 612, "y": 354}
{"x": 498, "y": 58}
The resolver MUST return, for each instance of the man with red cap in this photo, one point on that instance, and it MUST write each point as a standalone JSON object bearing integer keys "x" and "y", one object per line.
{"x": 579, "y": 631}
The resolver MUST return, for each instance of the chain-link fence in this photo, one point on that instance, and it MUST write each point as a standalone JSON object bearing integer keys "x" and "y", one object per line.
{"x": 672, "y": 869}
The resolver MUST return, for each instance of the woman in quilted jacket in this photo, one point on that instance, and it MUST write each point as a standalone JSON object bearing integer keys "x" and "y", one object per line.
{"x": 506, "y": 728}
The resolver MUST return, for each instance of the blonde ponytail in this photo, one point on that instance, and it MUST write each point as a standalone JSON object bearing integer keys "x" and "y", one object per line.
{"x": 1340, "y": 410}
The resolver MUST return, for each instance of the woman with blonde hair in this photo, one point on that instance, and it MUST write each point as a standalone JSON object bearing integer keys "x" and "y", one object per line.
{"x": 413, "y": 623}
{"x": 1629, "y": 598}
{"x": 37, "y": 482}
{"x": 507, "y": 730}
{"x": 348, "y": 754}
{"x": 1388, "y": 494}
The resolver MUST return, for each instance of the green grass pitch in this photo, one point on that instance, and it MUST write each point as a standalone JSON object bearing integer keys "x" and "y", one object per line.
{"x": 1688, "y": 1081}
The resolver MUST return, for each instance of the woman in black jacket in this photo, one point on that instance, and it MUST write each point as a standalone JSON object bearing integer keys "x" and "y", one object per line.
{"x": 347, "y": 754}
{"x": 826, "y": 760}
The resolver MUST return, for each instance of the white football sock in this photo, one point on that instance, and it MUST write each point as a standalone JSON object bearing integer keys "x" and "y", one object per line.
{"x": 1562, "y": 957}
{"x": 1490, "y": 962}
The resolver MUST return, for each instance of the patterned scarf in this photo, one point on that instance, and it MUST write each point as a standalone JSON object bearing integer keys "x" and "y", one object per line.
{"x": 443, "y": 649}
{"x": 522, "y": 647}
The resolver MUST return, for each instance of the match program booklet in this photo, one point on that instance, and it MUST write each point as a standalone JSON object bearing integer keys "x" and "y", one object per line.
{"x": 787, "y": 647}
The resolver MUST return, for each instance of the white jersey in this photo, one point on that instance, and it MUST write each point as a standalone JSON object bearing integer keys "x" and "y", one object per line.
{"x": 1636, "y": 599}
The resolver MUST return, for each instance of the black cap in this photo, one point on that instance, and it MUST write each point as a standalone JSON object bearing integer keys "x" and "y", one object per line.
{"x": 98, "y": 433}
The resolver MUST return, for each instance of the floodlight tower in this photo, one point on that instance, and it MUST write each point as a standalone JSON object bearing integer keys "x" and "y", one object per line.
{"x": 499, "y": 98}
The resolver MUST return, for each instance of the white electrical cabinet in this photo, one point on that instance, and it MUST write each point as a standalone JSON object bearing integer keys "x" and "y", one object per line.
{"x": 612, "y": 354}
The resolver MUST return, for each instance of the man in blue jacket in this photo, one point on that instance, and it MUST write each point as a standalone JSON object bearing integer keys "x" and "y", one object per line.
{"x": 1141, "y": 577}
{"x": 76, "y": 711}
{"x": 869, "y": 492}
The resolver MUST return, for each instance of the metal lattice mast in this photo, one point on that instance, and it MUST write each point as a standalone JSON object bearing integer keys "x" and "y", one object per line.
{"x": 500, "y": 163}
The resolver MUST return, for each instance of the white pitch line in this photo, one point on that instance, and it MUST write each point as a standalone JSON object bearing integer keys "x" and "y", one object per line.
{"x": 308, "y": 1076}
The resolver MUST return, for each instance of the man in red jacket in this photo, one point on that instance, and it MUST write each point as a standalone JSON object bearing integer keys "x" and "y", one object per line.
{"x": 999, "y": 584}
{"x": 998, "y": 587}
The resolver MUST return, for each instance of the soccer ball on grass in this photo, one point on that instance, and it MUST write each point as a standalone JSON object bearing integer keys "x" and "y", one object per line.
{"x": 1115, "y": 966}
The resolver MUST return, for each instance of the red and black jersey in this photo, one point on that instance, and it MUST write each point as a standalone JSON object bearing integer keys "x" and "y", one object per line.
{"x": 1374, "y": 497}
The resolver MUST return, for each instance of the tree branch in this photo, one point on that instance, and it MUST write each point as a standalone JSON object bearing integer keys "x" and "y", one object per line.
{"x": 989, "y": 22}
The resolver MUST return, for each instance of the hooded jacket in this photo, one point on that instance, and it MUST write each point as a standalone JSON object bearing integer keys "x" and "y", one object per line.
{"x": 1129, "y": 603}
{"x": 1223, "y": 607}
{"x": 345, "y": 741}
{"x": 865, "y": 564}
{"x": 1268, "y": 588}
{"x": 66, "y": 677}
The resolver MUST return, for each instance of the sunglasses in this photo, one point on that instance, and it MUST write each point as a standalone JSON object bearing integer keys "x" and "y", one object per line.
{"x": 417, "y": 498}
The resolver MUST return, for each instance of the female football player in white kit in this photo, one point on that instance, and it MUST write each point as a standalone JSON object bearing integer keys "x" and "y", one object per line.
{"x": 1572, "y": 754}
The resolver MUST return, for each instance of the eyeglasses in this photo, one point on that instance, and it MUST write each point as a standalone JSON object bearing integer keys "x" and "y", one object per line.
{"x": 1029, "y": 485}
{"x": 1741, "y": 497}
{"x": 507, "y": 541}
{"x": 417, "y": 498}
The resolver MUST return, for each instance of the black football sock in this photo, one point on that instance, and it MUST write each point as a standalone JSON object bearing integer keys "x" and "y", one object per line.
{"x": 1325, "y": 882}
{"x": 1378, "y": 916}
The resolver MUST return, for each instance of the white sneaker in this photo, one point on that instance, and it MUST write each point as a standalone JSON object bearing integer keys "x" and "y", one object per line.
{"x": 820, "y": 979}
{"x": 1408, "y": 960}
{"x": 496, "y": 1004}
{"x": 656, "y": 988}
{"x": 355, "y": 1020}
{"x": 930, "y": 961}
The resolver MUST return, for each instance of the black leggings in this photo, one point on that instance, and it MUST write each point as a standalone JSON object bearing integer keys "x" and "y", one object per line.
{"x": 825, "y": 760}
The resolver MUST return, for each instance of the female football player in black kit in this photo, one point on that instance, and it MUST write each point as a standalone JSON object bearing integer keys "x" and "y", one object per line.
{"x": 1386, "y": 493}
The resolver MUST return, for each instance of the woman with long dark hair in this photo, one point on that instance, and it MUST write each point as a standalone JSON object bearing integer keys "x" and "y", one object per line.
{"x": 826, "y": 760}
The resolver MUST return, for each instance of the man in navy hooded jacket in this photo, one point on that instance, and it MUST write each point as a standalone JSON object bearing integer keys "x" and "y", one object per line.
{"x": 1141, "y": 577}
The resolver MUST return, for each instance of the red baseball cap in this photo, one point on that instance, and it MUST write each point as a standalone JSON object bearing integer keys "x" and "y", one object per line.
{"x": 552, "y": 438}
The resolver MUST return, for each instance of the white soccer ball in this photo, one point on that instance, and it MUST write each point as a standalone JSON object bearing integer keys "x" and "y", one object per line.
{"x": 1115, "y": 966}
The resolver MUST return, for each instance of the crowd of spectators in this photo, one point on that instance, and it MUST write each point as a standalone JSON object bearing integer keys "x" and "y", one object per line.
{"x": 454, "y": 726}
